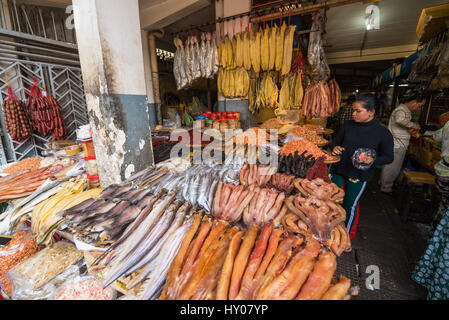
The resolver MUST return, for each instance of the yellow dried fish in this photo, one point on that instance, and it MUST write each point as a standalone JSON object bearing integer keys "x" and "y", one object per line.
{"x": 234, "y": 52}
{"x": 299, "y": 91}
{"x": 239, "y": 51}
{"x": 246, "y": 51}
{"x": 280, "y": 47}
{"x": 232, "y": 88}
{"x": 284, "y": 94}
{"x": 272, "y": 94}
{"x": 272, "y": 47}
{"x": 219, "y": 81}
{"x": 222, "y": 53}
{"x": 228, "y": 52}
{"x": 238, "y": 85}
{"x": 245, "y": 83}
{"x": 265, "y": 50}
{"x": 255, "y": 41}
{"x": 288, "y": 49}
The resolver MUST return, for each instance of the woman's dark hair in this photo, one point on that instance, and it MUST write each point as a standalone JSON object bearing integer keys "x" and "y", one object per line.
{"x": 372, "y": 102}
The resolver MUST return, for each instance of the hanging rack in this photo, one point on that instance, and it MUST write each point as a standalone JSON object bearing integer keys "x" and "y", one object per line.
{"x": 267, "y": 13}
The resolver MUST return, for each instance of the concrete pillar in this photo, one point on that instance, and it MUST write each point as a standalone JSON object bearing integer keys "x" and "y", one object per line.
{"x": 111, "y": 56}
{"x": 149, "y": 79}
{"x": 155, "y": 72}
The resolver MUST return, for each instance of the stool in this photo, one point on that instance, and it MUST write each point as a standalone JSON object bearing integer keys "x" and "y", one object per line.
{"x": 410, "y": 181}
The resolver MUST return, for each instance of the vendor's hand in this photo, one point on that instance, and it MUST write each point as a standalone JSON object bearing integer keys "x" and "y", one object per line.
{"x": 337, "y": 150}
{"x": 367, "y": 160}
{"x": 418, "y": 127}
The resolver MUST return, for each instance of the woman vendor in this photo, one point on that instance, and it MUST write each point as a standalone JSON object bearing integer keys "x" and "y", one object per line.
{"x": 432, "y": 271}
{"x": 362, "y": 143}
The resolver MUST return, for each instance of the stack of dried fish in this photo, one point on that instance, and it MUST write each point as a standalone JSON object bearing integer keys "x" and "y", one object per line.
{"x": 233, "y": 83}
{"x": 231, "y": 200}
{"x": 102, "y": 220}
{"x": 266, "y": 205}
{"x": 267, "y": 93}
{"x": 194, "y": 273}
{"x": 196, "y": 59}
{"x": 149, "y": 245}
{"x": 15, "y": 217}
{"x": 320, "y": 189}
{"x": 338, "y": 243}
{"x": 45, "y": 219}
{"x": 217, "y": 261}
{"x": 321, "y": 216}
{"x": 197, "y": 184}
{"x": 256, "y": 174}
{"x": 199, "y": 189}
{"x": 321, "y": 100}
{"x": 148, "y": 177}
{"x": 269, "y": 49}
{"x": 283, "y": 182}
{"x": 16, "y": 186}
{"x": 291, "y": 93}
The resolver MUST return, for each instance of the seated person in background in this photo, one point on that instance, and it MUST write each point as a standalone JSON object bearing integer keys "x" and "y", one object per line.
{"x": 400, "y": 125}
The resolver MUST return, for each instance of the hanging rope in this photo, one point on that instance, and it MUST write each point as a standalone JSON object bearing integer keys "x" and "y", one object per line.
{"x": 289, "y": 16}
{"x": 282, "y": 17}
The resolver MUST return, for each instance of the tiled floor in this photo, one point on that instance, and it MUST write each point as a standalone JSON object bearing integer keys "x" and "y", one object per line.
{"x": 384, "y": 241}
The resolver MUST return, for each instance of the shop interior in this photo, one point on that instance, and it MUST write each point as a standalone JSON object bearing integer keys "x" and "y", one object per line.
{"x": 202, "y": 76}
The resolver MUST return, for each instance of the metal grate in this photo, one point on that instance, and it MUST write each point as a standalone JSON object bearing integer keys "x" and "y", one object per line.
{"x": 63, "y": 83}
{"x": 67, "y": 88}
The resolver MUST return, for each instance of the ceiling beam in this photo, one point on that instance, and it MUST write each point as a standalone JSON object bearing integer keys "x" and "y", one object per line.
{"x": 385, "y": 53}
{"x": 309, "y": 9}
{"x": 50, "y": 3}
{"x": 161, "y": 15}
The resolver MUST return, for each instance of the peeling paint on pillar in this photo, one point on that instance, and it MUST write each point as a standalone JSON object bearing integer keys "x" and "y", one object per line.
{"x": 120, "y": 134}
{"x": 120, "y": 129}
{"x": 113, "y": 74}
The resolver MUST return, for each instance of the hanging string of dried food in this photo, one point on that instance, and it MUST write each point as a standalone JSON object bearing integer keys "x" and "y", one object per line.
{"x": 45, "y": 113}
{"x": 16, "y": 120}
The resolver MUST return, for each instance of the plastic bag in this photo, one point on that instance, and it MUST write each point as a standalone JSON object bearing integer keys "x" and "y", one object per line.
{"x": 197, "y": 51}
{"x": 188, "y": 62}
{"x": 193, "y": 60}
{"x": 209, "y": 59}
{"x": 203, "y": 54}
{"x": 25, "y": 291}
{"x": 84, "y": 288}
{"x": 182, "y": 66}
{"x": 34, "y": 273}
{"x": 176, "y": 65}
{"x": 19, "y": 249}
{"x": 316, "y": 54}
{"x": 361, "y": 154}
{"x": 292, "y": 137}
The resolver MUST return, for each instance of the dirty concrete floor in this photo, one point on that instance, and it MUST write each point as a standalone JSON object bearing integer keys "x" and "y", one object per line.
{"x": 384, "y": 241}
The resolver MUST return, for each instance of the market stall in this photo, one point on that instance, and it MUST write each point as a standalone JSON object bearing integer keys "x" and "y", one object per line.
{"x": 145, "y": 237}
{"x": 179, "y": 230}
{"x": 230, "y": 227}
